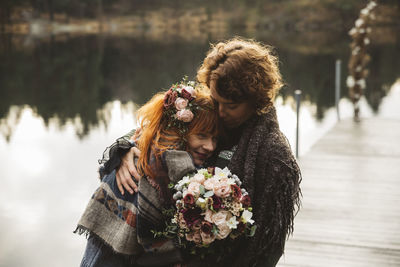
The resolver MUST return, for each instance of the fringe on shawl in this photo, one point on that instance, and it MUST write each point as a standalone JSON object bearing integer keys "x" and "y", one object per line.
{"x": 288, "y": 204}
{"x": 82, "y": 230}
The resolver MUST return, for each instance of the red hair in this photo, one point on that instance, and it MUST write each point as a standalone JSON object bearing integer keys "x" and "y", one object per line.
{"x": 156, "y": 136}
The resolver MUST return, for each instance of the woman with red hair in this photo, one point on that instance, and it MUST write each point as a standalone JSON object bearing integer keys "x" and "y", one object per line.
{"x": 178, "y": 131}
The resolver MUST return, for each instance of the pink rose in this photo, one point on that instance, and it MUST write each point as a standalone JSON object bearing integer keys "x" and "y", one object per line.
{"x": 209, "y": 184}
{"x": 221, "y": 217}
{"x": 207, "y": 238}
{"x": 184, "y": 115}
{"x": 193, "y": 188}
{"x": 189, "y": 236}
{"x": 181, "y": 221}
{"x": 198, "y": 177}
{"x": 197, "y": 237}
{"x": 223, "y": 232}
{"x": 181, "y": 103}
{"x": 222, "y": 189}
{"x": 208, "y": 216}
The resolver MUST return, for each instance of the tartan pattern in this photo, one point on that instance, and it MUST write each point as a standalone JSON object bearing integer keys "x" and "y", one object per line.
{"x": 112, "y": 205}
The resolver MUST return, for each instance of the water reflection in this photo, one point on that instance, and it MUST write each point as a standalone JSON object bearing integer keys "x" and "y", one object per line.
{"x": 68, "y": 77}
{"x": 48, "y": 180}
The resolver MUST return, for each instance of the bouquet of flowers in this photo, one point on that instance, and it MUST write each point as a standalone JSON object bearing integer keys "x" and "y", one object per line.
{"x": 210, "y": 205}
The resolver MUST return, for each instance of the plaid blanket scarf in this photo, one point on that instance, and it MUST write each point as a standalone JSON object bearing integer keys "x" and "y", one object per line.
{"x": 124, "y": 222}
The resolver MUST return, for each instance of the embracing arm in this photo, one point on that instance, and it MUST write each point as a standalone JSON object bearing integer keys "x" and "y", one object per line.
{"x": 120, "y": 155}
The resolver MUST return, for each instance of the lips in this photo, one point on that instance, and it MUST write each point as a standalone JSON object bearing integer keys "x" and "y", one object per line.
{"x": 201, "y": 156}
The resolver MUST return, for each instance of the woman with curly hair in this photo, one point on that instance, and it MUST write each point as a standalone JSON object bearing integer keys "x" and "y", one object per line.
{"x": 243, "y": 78}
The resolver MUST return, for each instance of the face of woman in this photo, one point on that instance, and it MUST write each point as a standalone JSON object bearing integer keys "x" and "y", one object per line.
{"x": 232, "y": 114}
{"x": 201, "y": 146}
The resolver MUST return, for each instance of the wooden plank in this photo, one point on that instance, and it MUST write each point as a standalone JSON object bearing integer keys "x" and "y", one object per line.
{"x": 351, "y": 190}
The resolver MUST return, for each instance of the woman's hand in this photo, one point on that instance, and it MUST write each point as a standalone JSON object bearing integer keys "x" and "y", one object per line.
{"x": 126, "y": 170}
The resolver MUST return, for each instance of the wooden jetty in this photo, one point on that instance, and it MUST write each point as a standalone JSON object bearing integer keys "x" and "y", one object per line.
{"x": 351, "y": 198}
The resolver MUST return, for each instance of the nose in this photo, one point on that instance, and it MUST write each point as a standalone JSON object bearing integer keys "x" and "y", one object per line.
{"x": 209, "y": 144}
{"x": 221, "y": 111}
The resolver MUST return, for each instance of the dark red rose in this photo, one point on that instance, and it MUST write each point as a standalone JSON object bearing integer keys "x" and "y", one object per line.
{"x": 186, "y": 94}
{"x": 217, "y": 203}
{"x": 237, "y": 193}
{"x": 206, "y": 227}
{"x": 169, "y": 98}
{"x": 191, "y": 216}
{"x": 189, "y": 200}
{"x": 246, "y": 201}
{"x": 211, "y": 170}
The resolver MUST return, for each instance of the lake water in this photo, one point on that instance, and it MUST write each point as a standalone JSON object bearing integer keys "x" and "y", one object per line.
{"x": 63, "y": 100}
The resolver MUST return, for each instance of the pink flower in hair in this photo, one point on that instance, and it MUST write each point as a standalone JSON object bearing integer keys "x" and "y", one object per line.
{"x": 184, "y": 115}
{"x": 181, "y": 103}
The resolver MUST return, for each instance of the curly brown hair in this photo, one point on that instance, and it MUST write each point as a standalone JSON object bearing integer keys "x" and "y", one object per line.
{"x": 242, "y": 70}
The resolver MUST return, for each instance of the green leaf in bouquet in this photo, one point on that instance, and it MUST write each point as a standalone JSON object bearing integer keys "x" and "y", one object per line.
{"x": 202, "y": 189}
{"x": 156, "y": 233}
{"x": 215, "y": 230}
{"x": 172, "y": 228}
{"x": 252, "y": 231}
{"x": 208, "y": 194}
{"x": 168, "y": 212}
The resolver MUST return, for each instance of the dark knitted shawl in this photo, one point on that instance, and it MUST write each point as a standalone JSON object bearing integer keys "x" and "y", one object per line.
{"x": 268, "y": 169}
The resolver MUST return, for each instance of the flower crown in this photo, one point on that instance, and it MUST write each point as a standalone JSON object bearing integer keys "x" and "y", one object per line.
{"x": 178, "y": 104}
